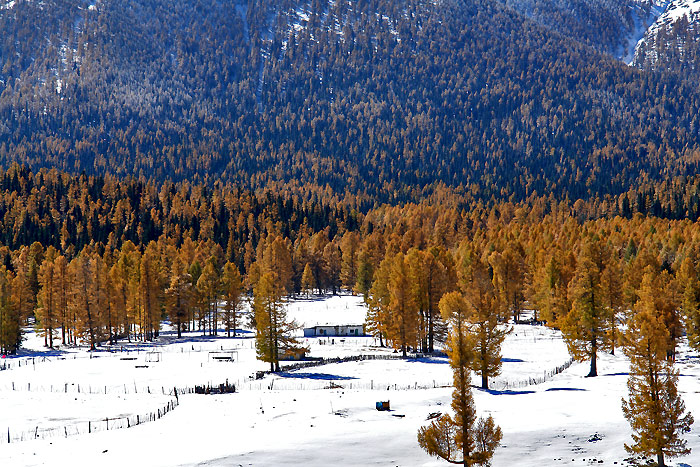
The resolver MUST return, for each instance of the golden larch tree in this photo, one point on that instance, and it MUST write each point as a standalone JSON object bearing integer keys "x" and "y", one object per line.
{"x": 178, "y": 296}
{"x": 403, "y": 312}
{"x": 654, "y": 408}
{"x": 10, "y": 326}
{"x": 460, "y": 439}
{"x": 486, "y": 335}
{"x": 47, "y": 313}
{"x": 232, "y": 287}
{"x": 209, "y": 287}
{"x": 585, "y": 328}
{"x": 273, "y": 330}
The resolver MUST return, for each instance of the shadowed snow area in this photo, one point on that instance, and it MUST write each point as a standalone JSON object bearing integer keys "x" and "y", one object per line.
{"x": 315, "y": 416}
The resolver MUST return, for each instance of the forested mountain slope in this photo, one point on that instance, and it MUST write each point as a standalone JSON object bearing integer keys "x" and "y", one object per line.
{"x": 383, "y": 99}
{"x": 607, "y": 25}
{"x": 672, "y": 42}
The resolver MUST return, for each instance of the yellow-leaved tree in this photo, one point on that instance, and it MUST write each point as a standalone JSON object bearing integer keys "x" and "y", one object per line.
{"x": 460, "y": 439}
{"x": 178, "y": 296}
{"x": 233, "y": 296}
{"x": 403, "y": 313}
{"x": 486, "y": 335}
{"x": 586, "y": 327}
{"x": 273, "y": 336}
{"x": 654, "y": 408}
{"x": 47, "y": 312}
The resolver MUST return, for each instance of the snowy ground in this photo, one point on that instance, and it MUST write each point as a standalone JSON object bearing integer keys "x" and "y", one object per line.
{"x": 567, "y": 420}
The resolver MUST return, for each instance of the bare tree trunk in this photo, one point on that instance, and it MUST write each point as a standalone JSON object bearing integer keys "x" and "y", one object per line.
{"x": 594, "y": 353}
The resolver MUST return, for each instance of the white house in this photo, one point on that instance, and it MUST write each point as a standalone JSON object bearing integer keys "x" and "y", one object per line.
{"x": 348, "y": 330}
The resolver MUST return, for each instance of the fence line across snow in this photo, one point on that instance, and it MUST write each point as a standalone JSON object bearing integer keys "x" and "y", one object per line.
{"x": 77, "y": 388}
{"x": 90, "y": 426}
{"x": 289, "y": 384}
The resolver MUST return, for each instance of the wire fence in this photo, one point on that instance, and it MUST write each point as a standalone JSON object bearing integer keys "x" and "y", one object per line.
{"x": 287, "y": 382}
{"x": 283, "y": 384}
{"x": 89, "y": 426}
{"x": 255, "y": 383}
{"x": 504, "y": 385}
{"x": 125, "y": 353}
{"x": 77, "y": 388}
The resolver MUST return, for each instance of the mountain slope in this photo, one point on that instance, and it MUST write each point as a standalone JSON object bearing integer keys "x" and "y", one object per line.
{"x": 603, "y": 24}
{"x": 384, "y": 99}
{"x": 672, "y": 42}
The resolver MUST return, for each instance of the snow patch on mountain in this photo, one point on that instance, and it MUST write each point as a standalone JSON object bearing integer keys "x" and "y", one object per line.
{"x": 673, "y": 11}
{"x": 679, "y": 9}
{"x": 645, "y": 15}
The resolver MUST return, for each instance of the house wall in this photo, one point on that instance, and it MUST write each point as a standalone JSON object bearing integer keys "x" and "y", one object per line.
{"x": 334, "y": 331}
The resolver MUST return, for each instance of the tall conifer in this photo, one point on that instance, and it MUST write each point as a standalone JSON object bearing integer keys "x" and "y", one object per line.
{"x": 461, "y": 439}
{"x": 654, "y": 408}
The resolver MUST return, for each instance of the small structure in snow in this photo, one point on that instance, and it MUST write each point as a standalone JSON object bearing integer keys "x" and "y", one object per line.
{"x": 383, "y": 406}
{"x": 346, "y": 330}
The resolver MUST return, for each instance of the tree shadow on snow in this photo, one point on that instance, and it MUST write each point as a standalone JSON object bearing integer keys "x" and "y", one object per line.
{"x": 170, "y": 337}
{"x": 565, "y": 389}
{"x": 505, "y": 392}
{"x": 512, "y": 360}
{"x": 317, "y": 376}
{"x": 440, "y": 360}
{"x": 38, "y": 353}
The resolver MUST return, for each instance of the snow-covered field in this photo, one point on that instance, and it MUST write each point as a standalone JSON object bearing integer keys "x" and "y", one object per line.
{"x": 316, "y": 416}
